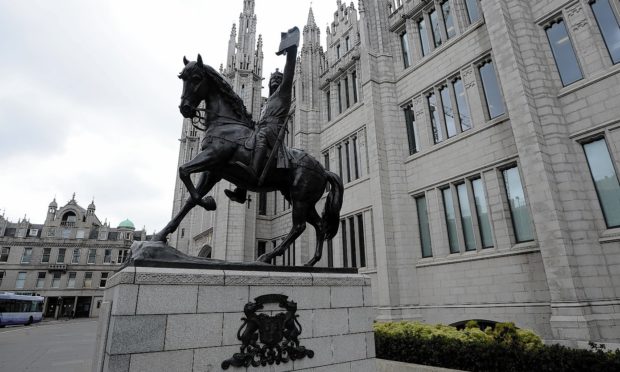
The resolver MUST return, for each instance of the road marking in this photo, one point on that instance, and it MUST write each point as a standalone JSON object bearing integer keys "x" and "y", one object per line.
{"x": 69, "y": 362}
{"x": 41, "y": 326}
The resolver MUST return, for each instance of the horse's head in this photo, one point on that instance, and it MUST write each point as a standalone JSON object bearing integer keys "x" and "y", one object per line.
{"x": 194, "y": 86}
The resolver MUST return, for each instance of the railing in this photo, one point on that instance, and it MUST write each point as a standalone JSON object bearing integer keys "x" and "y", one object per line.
{"x": 57, "y": 267}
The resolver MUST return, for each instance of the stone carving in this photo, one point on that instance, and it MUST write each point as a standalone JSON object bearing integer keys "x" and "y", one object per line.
{"x": 278, "y": 334}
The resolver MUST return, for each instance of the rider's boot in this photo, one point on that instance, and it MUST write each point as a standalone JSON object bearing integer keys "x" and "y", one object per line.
{"x": 239, "y": 195}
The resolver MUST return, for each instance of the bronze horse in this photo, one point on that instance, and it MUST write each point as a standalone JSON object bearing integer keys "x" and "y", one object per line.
{"x": 228, "y": 125}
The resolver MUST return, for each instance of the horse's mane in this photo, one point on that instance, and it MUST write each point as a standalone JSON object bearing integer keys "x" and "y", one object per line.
{"x": 228, "y": 94}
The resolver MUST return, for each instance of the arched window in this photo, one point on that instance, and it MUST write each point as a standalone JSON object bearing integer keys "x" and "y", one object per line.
{"x": 68, "y": 219}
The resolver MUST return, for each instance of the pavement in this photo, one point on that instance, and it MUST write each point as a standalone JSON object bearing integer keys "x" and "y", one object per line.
{"x": 49, "y": 346}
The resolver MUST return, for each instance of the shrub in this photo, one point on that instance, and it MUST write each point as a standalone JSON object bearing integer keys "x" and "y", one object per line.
{"x": 502, "y": 348}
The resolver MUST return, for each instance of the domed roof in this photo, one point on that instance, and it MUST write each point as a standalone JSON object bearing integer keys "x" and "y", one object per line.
{"x": 127, "y": 224}
{"x": 92, "y": 205}
{"x": 54, "y": 204}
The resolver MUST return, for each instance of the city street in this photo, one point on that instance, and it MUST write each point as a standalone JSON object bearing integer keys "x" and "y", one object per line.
{"x": 55, "y": 346}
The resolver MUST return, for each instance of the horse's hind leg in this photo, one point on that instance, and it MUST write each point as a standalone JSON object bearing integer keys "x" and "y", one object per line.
{"x": 315, "y": 220}
{"x": 300, "y": 211}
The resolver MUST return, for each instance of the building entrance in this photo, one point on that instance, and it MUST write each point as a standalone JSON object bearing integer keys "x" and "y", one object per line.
{"x": 82, "y": 309}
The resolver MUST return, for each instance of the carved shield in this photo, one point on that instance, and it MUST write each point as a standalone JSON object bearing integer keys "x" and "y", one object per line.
{"x": 271, "y": 328}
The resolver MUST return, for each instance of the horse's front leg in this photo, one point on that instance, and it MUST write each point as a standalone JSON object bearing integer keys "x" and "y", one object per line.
{"x": 205, "y": 184}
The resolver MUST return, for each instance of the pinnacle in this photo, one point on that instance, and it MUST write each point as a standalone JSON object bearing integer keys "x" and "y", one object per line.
{"x": 311, "y": 21}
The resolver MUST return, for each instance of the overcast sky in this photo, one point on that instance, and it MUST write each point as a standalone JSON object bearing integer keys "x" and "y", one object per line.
{"x": 89, "y": 95}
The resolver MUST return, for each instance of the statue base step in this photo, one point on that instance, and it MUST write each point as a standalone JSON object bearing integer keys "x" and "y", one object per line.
{"x": 173, "y": 319}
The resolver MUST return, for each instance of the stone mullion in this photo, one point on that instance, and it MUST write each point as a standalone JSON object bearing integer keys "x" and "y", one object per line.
{"x": 442, "y": 117}
{"x": 416, "y": 49}
{"x": 430, "y": 38}
{"x": 455, "y": 107}
{"x": 591, "y": 56}
{"x": 442, "y": 22}
{"x": 475, "y": 95}
{"x": 425, "y": 135}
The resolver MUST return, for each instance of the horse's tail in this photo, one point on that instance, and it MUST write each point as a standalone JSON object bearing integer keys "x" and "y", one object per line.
{"x": 331, "y": 212}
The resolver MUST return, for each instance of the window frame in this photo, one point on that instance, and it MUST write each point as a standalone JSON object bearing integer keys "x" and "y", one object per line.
{"x": 548, "y": 26}
{"x": 615, "y": 168}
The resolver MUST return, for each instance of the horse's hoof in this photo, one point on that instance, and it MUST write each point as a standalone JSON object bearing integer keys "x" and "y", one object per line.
{"x": 208, "y": 203}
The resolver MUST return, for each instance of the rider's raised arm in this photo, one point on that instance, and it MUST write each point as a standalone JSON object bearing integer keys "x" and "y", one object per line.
{"x": 289, "y": 69}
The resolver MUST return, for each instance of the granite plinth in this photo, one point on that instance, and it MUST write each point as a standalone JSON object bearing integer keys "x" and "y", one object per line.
{"x": 183, "y": 319}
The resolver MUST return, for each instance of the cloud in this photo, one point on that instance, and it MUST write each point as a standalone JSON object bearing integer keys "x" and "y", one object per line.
{"x": 89, "y": 95}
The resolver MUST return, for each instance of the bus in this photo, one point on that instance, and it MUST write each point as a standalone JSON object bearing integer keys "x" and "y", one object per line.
{"x": 20, "y": 309}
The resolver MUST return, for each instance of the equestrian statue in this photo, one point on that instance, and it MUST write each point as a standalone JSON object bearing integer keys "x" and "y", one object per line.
{"x": 251, "y": 155}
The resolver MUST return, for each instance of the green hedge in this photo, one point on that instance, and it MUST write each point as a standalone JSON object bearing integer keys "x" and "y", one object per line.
{"x": 503, "y": 348}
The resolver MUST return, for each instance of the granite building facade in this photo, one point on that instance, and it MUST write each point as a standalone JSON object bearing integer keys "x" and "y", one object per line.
{"x": 67, "y": 259}
{"x": 478, "y": 143}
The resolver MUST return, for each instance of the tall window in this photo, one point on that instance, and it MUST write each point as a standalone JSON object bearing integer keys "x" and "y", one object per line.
{"x": 461, "y": 104}
{"x": 329, "y": 105}
{"x": 608, "y": 24}
{"x": 261, "y": 248}
{"x": 435, "y": 124}
{"x": 412, "y": 134}
{"x": 345, "y": 251}
{"x": 432, "y": 15}
{"x": 339, "y": 97}
{"x": 466, "y": 217}
{"x": 88, "y": 280}
{"x": 346, "y": 151}
{"x": 56, "y": 279}
{"x": 262, "y": 203}
{"x": 423, "y": 33}
{"x": 338, "y": 51}
{"x": 75, "y": 258}
{"x": 27, "y": 255}
{"x": 46, "y": 255}
{"x": 123, "y": 255}
{"x": 347, "y": 43}
{"x": 423, "y": 225}
{"x": 563, "y": 53}
{"x": 354, "y": 84}
{"x": 355, "y": 162}
{"x": 275, "y": 202}
{"x": 326, "y": 160}
{"x": 21, "y": 280}
{"x": 330, "y": 253}
{"x": 61, "y": 255}
{"x": 482, "y": 212}
{"x": 404, "y": 45}
{"x": 1, "y": 277}
{"x": 103, "y": 280}
{"x": 340, "y": 161}
{"x": 447, "y": 17}
{"x": 490, "y": 85}
{"x": 605, "y": 180}
{"x": 71, "y": 280}
{"x": 453, "y": 240}
{"x": 40, "y": 279}
{"x": 92, "y": 256}
{"x": 353, "y": 242}
{"x": 4, "y": 254}
{"x": 448, "y": 112}
{"x": 346, "y": 91}
{"x": 473, "y": 11}
{"x": 521, "y": 221}
{"x": 107, "y": 256}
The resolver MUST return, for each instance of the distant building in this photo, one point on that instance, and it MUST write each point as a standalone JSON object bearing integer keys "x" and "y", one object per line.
{"x": 479, "y": 147}
{"x": 68, "y": 258}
